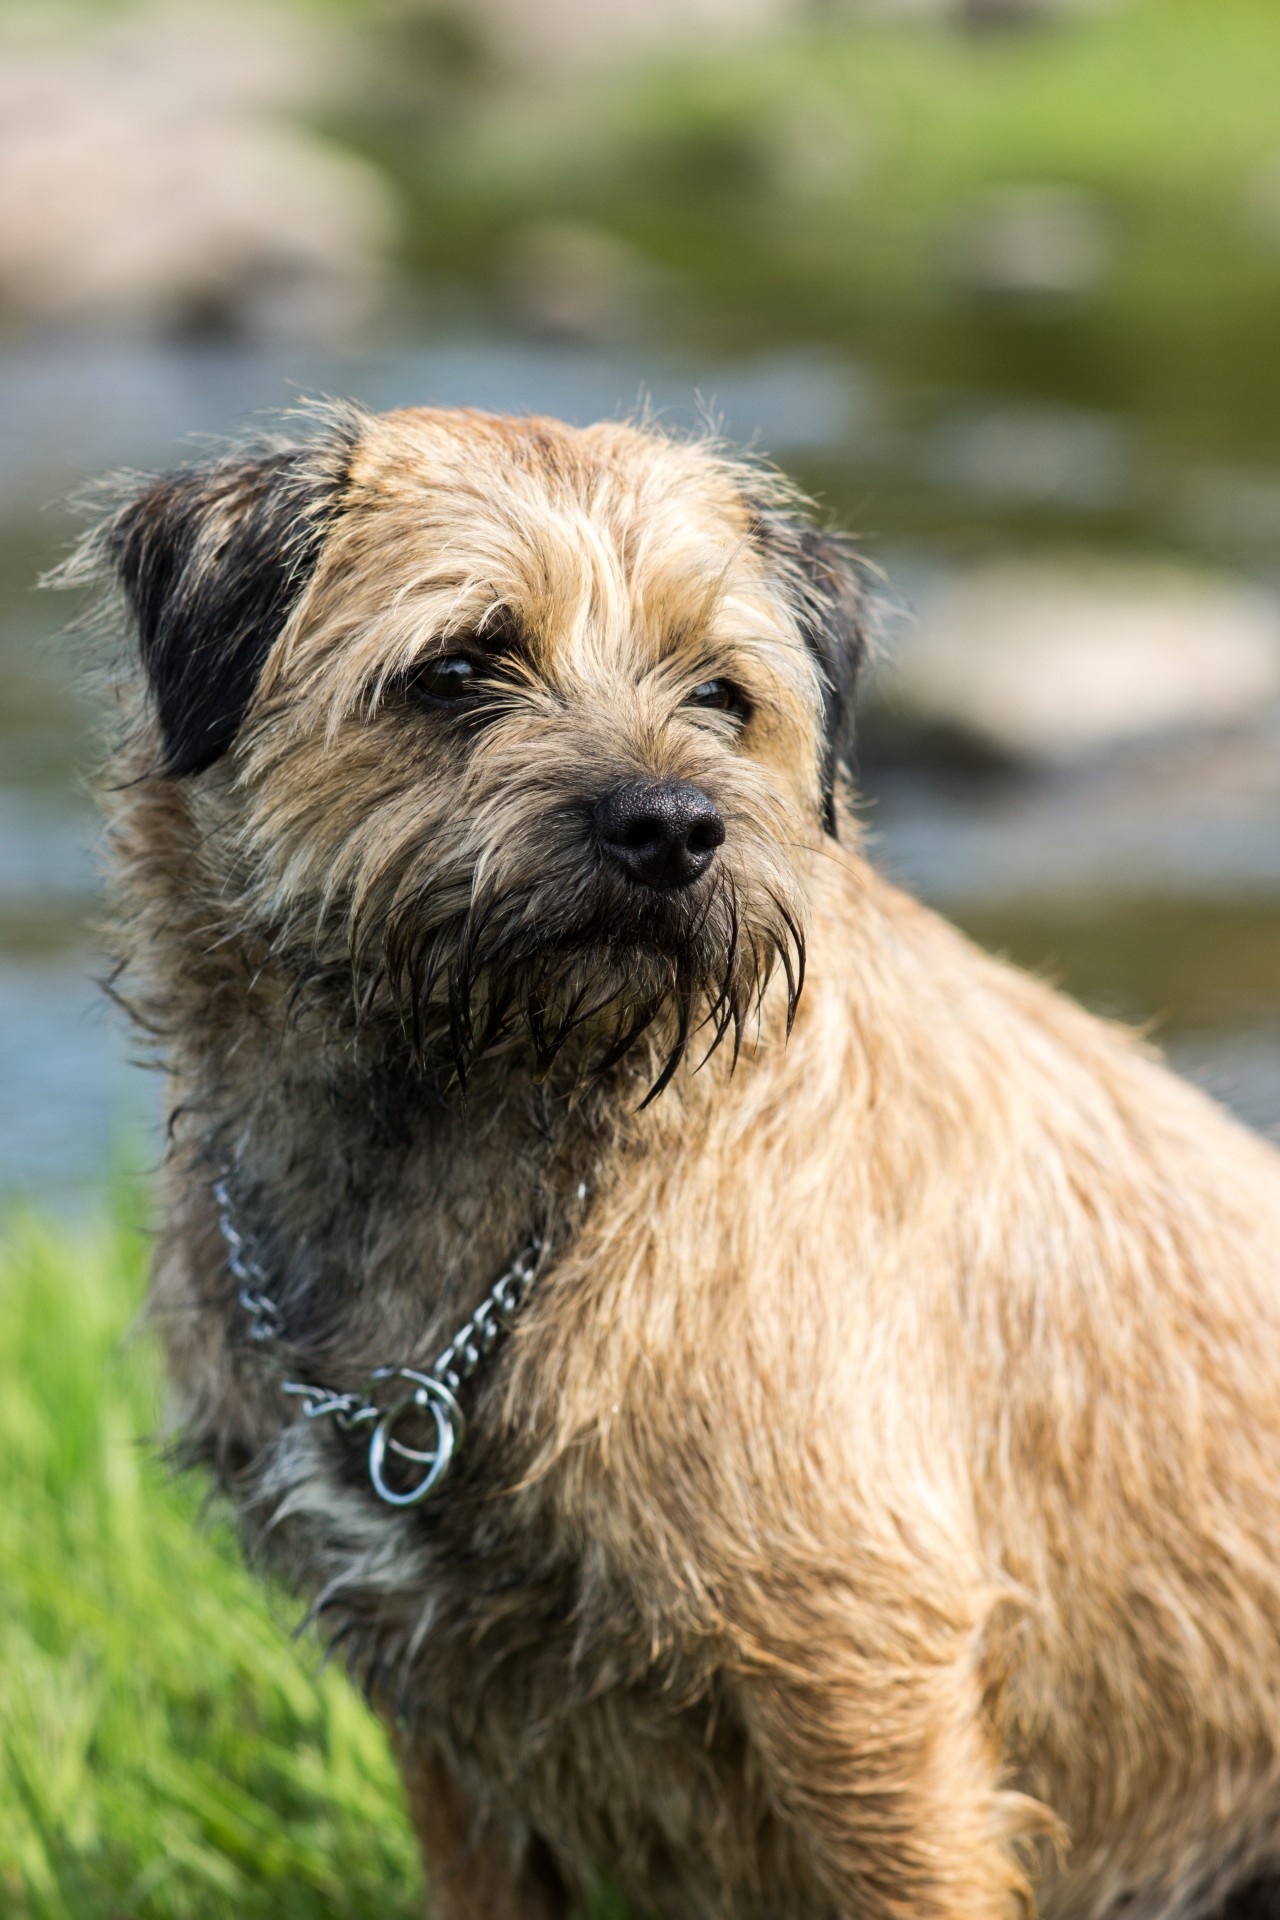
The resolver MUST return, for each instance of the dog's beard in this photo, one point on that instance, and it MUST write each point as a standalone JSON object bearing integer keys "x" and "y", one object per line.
{"x": 591, "y": 983}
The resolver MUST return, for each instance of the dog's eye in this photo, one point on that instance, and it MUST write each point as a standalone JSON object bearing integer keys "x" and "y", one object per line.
{"x": 449, "y": 677}
{"x": 721, "y": 696}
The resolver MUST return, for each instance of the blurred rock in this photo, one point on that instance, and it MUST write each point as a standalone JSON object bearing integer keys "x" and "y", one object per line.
{"x": 977, "y": 13}
{"x": 1262, "y": 199}
{"x": 1057, "y": 457}
{"x": 558, "y": 34}
{"x": 821, "y": 142}
{"x": 1235, "y": 509}
{"x": 1040, "y": 243}
{"x": 151, "y": 178}
{"x": 571, "y": 282}
{"x": 1047, "y": 665}
{"x": 553, "y": 35}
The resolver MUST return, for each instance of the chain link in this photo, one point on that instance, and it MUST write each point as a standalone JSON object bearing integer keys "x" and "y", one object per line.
{"x": 264, "y": 1316}
{"x": 432, "y": 1394}
{"x": 492, "y": 1318}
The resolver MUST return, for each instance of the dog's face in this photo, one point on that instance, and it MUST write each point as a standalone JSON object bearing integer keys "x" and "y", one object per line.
{"x": 527, "y": 726}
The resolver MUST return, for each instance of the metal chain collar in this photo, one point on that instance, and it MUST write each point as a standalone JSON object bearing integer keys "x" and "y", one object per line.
{"x": 432, "y": 1394}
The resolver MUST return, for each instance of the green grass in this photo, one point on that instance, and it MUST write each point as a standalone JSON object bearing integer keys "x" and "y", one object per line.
{"x": 165, "y": 1751}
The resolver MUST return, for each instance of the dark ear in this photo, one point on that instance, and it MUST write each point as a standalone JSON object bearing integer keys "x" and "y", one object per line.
{"x": 210, "y": 561}
{"x": 834, "y": 599}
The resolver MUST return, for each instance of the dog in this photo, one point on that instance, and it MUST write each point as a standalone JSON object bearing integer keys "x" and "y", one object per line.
{"x": 773, "y": 1404}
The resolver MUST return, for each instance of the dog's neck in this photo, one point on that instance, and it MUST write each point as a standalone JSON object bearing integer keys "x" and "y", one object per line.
{"x": 388, "y": 1140}
{"x": 383, "y": 1196}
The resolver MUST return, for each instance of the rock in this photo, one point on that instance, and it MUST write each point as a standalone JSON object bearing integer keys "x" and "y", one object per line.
{"x": 1011, "y": 451}
{"x": 976, "y": 13}
{"x": 1033, "y": 242}
{"x": 1047, "y": 665}
{"x": 566, "y": 281}
{"x": 556, "y": 35}
{"x": 151, "y": 179}
{"x": 1262, "y": 200}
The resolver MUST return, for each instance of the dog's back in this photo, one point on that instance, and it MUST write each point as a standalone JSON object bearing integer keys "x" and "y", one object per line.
{"x": 983, "y": 1315}
{"x": 1090, "y": 1256}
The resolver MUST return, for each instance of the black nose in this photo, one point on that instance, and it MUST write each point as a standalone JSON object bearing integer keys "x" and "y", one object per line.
{"x": 663, "y": 833}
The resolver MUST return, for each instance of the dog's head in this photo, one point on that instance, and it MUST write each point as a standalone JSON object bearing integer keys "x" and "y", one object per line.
{"x": 528, "y": 726}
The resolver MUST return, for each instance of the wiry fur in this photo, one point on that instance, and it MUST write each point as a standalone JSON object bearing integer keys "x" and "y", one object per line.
{"x": 876, "y": 1510}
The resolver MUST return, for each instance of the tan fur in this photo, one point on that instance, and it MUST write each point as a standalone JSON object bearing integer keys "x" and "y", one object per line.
{"x": 876, "y": 1511}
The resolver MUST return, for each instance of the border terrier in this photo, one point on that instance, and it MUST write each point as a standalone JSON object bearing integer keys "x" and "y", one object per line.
{"x": 774, "y": 1405}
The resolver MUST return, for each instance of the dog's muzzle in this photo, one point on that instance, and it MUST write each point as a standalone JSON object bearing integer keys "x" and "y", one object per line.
{"x": 660, "y": 833}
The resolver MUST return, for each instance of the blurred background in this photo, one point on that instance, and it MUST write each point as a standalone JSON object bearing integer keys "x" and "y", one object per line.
{"x": 999, "y": 280}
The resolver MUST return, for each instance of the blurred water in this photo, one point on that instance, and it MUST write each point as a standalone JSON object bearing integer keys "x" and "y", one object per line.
{"x": 1035, "y": 865}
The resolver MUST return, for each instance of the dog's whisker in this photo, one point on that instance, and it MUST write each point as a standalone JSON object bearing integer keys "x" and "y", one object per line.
{"x": 793, "y": 968}
{"x": 677, "y": 1052}
{"x": 626, "y": 1036}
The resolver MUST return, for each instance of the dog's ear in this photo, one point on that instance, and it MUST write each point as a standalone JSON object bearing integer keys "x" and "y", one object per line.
{"x": 834, "y": 600}
{"x": 210, "y": 560}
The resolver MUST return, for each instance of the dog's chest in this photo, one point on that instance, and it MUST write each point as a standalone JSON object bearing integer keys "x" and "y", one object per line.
{"x": 577, "y": 1702}
{"x": 571, "y": 1707}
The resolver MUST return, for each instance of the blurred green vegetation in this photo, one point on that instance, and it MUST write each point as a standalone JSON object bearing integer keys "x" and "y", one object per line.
{"x": 837, "y": 185}
{"x": 1182, "y": 965}
{"x": 165, "y": 1753}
